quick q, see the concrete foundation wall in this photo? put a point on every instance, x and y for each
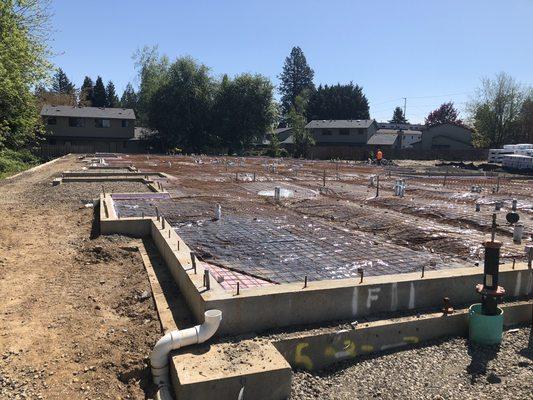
(313, 352)
(290, 304)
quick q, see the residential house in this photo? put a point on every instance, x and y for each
(445, 136)
(404, 138)
(347, 132)
(90, 129)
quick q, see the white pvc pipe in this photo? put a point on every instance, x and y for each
(174, 340)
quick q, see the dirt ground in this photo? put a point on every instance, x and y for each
(77, 320)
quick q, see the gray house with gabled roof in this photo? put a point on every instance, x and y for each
(348, 132)
(73, 129)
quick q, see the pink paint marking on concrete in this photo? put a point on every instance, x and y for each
(228, 279)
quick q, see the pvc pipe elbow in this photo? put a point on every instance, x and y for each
(210, 325)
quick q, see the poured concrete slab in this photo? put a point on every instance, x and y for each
(222, 370)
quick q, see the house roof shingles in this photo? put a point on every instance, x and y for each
(87, 112)
(339, 123)
(383, 139)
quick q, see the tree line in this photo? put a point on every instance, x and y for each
(194, 110)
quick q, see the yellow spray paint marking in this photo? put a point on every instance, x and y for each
(411, 339)
(367, 348)
(348, 351)
(302, 359)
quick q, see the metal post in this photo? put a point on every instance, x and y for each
(305, 282)
(324, 179)
(193, 261)
(489, 290)
(361, 273)
(207, 282)
(157, 213)
(238, 288)
(377, 185)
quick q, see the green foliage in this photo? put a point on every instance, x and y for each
(99, 93)
(496, 111)
(180, 108)
(87, 92)
(243, 110)
(302, 138)
(338, 102)
(23, 64)
(12, 162)
(526, 122)
(152, 72)
(61, 84)
(296, 77)
(111, 95)
(398, 117)
(129, 98)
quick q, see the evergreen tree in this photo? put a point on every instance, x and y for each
(87, 92)
(129, 98)
(99, 94)
(303, 139)
(338, 102)
(398, 117)
(445, 114)
(111, 95)
(61, 84)
(296, 77)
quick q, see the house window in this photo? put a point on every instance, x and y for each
(125, 123)
(344, 131)
(326, 132)
(76, 122)
(51, 121)
(102, 123)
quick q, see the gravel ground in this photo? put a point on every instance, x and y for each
(445, 369)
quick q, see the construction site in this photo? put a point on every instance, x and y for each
(203, 277)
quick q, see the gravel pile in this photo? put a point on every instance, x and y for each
(446, 369)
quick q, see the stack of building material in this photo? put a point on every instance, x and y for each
(517, 161)
(497, 155)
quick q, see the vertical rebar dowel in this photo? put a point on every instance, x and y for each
(169, 233)
(324, 179)
(207, 283)
(103, 190)
(142, 214)
(305, 282)
(193, 261)
(377, 185)
(514, 261)
(157, 213)
(236, 177)
(238, 288)
(162, 222)
(423, 270)
(361, 273)
(178, 245)
(493, 228)
(254, 176)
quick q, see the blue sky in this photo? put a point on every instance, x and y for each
(426, 50)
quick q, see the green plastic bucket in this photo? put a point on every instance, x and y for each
(484, 329)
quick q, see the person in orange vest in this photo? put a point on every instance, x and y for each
(379, 156)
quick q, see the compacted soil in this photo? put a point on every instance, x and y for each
(77, 320)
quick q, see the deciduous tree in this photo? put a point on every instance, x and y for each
(243, 111)
(24, 51)
(338, 102)
(495, 110)
(445, 114)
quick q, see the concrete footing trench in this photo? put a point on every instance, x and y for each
(314, 269)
